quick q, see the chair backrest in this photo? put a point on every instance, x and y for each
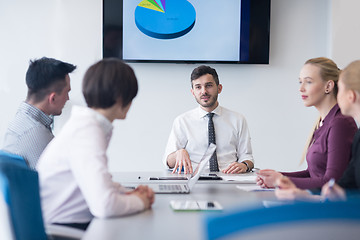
(299, 220)
(19, 186)
(6, 156)
(6, 232)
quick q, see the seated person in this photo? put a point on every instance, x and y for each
(329, 149)
(349, 102)
(30, 132)
(194, 130)
(75, 183)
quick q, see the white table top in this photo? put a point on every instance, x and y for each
(161, 222)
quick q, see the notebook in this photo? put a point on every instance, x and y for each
(185, 187)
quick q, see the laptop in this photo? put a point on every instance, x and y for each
(185, 187)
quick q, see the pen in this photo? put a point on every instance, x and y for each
(331, 183)
(331, 186)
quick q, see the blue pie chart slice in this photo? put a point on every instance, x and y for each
(177, 20)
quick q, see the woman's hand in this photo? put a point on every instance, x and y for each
(267, 178)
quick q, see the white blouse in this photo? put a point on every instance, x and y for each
(75, 183)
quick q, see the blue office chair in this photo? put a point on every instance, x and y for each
(299, 220)
(4, 155)
(19, 186)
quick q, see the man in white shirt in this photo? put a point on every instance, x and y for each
(189, 136)
(75, 183)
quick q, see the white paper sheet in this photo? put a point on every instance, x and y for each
(240, 178)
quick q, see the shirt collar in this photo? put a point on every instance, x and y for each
(36, 114)
(105, 124)
(332, 113)
(202, 113)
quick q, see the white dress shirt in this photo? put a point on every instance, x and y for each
(75, 183)
(190, 132)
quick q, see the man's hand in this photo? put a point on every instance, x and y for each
(146, 194)
(182, 159)
(235, 167)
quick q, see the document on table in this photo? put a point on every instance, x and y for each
(192, 205)
(240, 178)
(253, 187)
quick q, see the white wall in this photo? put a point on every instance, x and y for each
(266, 94)
(345, 34)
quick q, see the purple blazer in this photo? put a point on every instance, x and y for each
(330, 151)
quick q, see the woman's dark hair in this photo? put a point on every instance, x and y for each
(108, 81)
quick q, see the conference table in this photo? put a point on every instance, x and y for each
(162, 222)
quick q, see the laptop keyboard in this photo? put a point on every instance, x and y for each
(170, 187)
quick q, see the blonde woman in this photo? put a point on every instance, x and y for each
(329, 149)
(349, 102)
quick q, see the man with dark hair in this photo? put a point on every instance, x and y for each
(75, 182)
(30, 132)
(194, 130)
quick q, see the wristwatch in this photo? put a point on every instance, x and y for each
(247, 166)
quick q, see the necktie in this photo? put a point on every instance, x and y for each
(213, 160)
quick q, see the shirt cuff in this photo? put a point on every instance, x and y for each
(138, 204)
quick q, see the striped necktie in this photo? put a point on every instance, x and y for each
(213, 161)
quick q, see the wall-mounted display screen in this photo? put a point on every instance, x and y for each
(194, 31)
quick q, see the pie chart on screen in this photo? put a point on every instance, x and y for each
(165, 19)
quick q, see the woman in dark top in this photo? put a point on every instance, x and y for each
(349, 102)
(351, 177)
(329, 148)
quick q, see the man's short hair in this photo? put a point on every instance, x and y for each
(203, 70)
(46, 75)
(108, 81)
